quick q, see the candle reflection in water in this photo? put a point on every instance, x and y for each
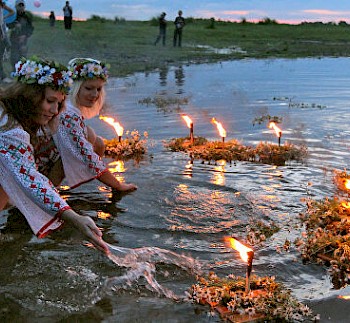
(189, 169)
(117, 167)
(218, 177)
(347, 297)
(103, 215)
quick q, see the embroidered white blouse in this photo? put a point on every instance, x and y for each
(30, 191)
(81, 164)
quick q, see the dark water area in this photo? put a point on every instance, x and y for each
(173, 226)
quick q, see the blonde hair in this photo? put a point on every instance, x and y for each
(88, 113)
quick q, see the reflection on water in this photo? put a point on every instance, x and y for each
(219, 173)
(180, 78)
(183, 209)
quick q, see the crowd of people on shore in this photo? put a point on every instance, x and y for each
(14, 44)
(179, 24)
(16, 27)
(21, 28)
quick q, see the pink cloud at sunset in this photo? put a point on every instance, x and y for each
(327, 12)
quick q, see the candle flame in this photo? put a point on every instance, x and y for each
(188, 120)
(278, 131)
(221, 129)
(347, 184)
(117, 127)
(241, 248)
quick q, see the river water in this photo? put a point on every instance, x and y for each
(173, 226)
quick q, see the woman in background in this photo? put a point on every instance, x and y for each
(52, 19)
(79, 147)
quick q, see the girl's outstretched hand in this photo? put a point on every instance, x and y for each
(124, 187)
(88, 228)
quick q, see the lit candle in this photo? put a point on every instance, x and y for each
(278, 131)
(221, 129)
(189, 123)
(247, 255)
(117, 127)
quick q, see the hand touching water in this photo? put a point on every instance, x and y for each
(88, 228)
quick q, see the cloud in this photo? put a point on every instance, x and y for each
(234, 13)
(230, 14)
(323, 12)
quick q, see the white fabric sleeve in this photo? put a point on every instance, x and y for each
(81, 164)
(32, 193)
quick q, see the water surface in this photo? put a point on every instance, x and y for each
(173, 226)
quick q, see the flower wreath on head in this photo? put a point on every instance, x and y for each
(39, 71)
(88, 68)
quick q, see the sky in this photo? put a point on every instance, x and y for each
(283, 11)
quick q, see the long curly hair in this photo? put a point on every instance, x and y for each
(21, 103)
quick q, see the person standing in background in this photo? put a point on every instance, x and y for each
(162, 29)
(179, 24)
(68, 16)
(52, 19)
(4, 40)
(21, 29)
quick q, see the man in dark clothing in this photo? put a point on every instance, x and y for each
(162, 29)
(179, 24)
(21, 29)
(67, 16)
(4, 40)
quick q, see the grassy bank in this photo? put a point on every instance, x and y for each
(128, 45)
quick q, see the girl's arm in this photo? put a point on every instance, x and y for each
(10, 11)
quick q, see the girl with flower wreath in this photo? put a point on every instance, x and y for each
(33, 102)
(80, 149)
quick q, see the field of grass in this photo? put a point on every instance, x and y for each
(128, 45)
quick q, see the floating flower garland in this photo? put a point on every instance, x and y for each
(165, 104)
(327, 237)
(258, 231)
(267, 301)
(132, 146)
(233, 150)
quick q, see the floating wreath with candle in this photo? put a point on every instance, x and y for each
(267, 299)
(233, 150)
(130, 146)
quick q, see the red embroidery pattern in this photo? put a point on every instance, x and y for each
(31, 179)
(92, 160)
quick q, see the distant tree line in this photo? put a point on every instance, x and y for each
(211, 22)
